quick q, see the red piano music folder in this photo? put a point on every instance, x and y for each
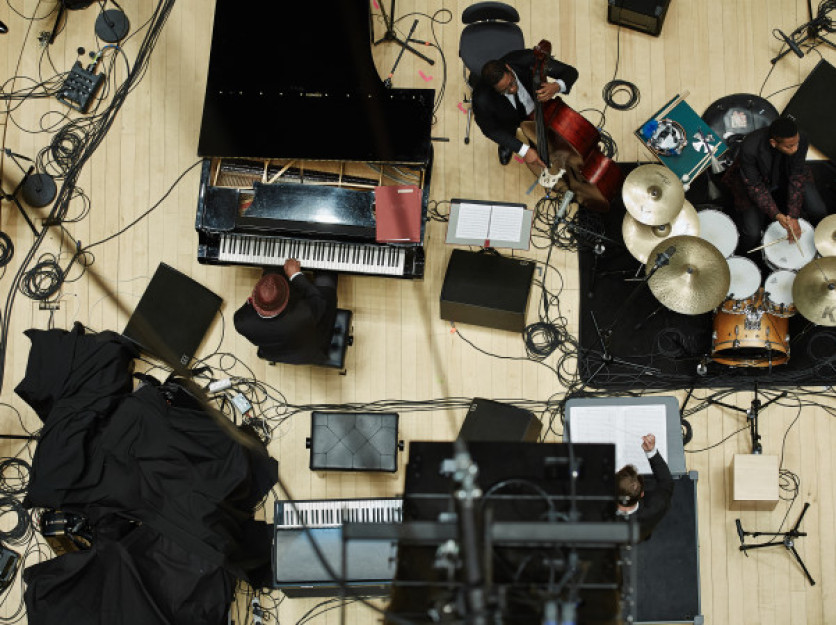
(398, 214)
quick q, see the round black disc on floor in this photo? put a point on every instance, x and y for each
(112, 25)
(39, 190)
(735, 116)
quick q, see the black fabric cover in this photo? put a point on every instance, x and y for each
(152, 457)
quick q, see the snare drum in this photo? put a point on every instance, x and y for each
(718, 228)
(752, 339)
(745, 281)
(777, 294)
(786, 254)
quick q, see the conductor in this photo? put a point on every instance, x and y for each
(648, 503)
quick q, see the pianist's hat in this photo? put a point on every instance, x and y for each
(270, 295)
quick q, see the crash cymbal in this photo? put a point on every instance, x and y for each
(640, 239)
(653, 194)
(695, 279)
(814, 291)
(825, 236)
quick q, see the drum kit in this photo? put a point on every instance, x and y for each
(689, 258)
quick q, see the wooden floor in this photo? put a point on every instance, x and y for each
(403, 350)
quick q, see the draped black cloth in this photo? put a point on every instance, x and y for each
(169, 493)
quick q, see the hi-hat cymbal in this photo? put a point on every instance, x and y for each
(814, 291)
(640, 239)
(696, 278)
(653, 194)
(825, 236)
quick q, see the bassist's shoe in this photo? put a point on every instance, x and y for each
(505, 155)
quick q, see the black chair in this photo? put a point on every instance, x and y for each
(340, 340)
(490, 32)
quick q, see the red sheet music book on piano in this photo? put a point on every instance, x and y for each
(398, 214)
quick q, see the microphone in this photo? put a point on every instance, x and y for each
(15, 155)
(793, 46)
(564, 205)
(3, 28)
(664, 258)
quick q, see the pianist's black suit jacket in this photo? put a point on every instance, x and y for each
(494, 113)
(657, 497)
(301, 334)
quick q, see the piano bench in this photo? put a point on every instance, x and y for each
(340, 341)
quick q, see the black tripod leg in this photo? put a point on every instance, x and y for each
(798, 559)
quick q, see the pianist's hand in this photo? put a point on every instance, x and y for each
(291, 267)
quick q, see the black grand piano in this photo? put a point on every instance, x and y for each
(297, 131)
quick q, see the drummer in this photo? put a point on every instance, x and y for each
(771, 180)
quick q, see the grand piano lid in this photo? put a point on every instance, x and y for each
(299, 81)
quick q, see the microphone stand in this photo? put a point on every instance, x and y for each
(811, 32)
(787, 541)
(391, 35)
(752, 415)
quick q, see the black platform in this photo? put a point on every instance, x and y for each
(663, 351)
(668, 565)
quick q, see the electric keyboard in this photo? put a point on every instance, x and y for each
(297, 569)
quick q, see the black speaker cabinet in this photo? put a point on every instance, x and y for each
(812, 108)
(488, 420)
(486, 290)
(646, 16)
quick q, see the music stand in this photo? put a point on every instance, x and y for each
(391, 35)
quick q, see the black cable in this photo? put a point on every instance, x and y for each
(14, 476)
(615, 89)
(7, 249)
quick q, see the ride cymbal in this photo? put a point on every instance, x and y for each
(695, 279)
(640, 239)
(653, 194)
(814, 291)
(825, 236)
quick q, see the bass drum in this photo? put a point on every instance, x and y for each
(753, 339)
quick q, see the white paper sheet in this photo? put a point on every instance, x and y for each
(474, 220)
(624, 426)
(506, 223)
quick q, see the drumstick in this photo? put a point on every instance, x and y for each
(760, 247)
(671, 105)
(800, 251)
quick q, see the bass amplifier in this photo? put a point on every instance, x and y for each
(646, 16)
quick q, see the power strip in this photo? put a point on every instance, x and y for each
(80, 87)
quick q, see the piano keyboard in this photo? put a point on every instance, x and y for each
(335, 512)
(330, 255)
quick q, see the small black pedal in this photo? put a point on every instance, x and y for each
(80, 88)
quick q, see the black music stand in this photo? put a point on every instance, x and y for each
(391, 35)
(787, 541)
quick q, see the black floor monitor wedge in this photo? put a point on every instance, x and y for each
(173, 316)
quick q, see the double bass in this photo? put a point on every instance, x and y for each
(573, 144)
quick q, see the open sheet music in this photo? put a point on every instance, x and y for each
(489, 224)
(624, 426)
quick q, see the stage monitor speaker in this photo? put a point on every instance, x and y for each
(173, 315)
(488, 420)
(486, 290)
(646, 16)
(812, 108)
(354, 441)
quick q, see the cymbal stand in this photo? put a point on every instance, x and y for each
(751, 415)
(787, 541)
(391, 35)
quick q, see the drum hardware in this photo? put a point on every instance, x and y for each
(694, 281)
(653, 194)
(788, 541)
(752, 415)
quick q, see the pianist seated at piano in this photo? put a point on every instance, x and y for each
(288, 318)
